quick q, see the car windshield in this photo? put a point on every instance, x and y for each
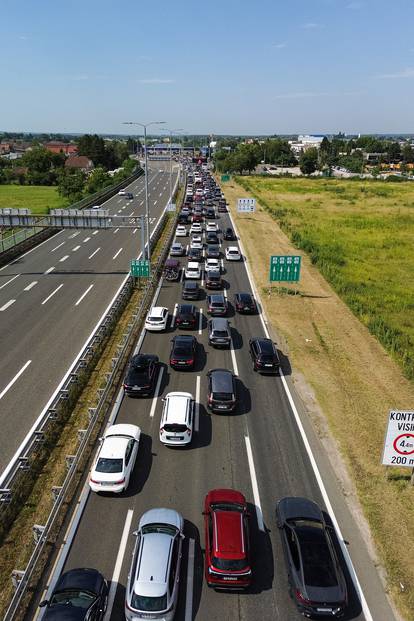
(229, 564)
(164, 529)
(108, 465)
(175, 427)
(79, 599)
(149, 604)
(318, 567)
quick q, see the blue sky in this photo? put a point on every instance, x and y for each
(208, 67)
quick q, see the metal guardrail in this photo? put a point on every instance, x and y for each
(48, 428)
(10, 241)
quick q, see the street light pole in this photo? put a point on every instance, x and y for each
(171, 131)
(146, 254)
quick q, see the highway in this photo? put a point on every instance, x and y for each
(258, 450)
(51, 299)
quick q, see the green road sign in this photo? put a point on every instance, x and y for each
(225, 177)
(284, 268)
(140, 269)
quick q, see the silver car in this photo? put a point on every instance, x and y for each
(153, 580)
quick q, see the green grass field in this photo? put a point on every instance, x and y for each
(39, 199)
(360, 234)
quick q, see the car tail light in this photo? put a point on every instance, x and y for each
(301, 598)
(161, 429)
(210, 399)
(190, 361)
(173, 361)
(119, 482)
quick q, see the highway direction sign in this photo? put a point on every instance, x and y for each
(140, 269)
(399, 440)
(246, 205)
(171, 207)
(284, 268)
(225, 177)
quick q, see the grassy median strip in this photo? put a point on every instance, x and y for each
(342, 373)
(19, 544)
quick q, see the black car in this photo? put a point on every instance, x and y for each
(229, 234)
(216, 305)
(186, 316)
(264, 355)
(79, 595)
(214, 280)
(316, 580)
(221, 395)
(212, 238)
(129, 195)
(222, 208)
(183, 351)
(213, 251)
(191, 290)
(183, 218)
(245, 303)
(210, 213)
(141, 375)
(195, 254)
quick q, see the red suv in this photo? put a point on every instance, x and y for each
(227, 563)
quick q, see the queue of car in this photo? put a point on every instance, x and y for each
(317, 584)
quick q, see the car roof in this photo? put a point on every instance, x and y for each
(183, 338)
(228, 534)
(186, 308)
(266, 345)
(221, 380)
(190, 284)
(178, 403)
(244, 295)
(152, 567)
(157, 311)
(82, 578)
(113, 447)
(161, 516)
(142, 359)
(219, 323)
(232, 249)
(193, 264)
(216, 297)
(297, 507)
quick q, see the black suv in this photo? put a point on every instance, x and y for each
(228, 234)
(195, 254)
(221, 391)
(212, 238)
(214, 280)
(141, 375)
(213, 251)
(244, 303)
(183, 351)
(186, 316)
(264, 355)
(191, 290)
(219, 332)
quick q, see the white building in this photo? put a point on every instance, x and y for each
(303, 143)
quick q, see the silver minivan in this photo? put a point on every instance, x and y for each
(153, 580)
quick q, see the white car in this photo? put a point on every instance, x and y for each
(96, 207)
(181, 231)
(196, 227)
(199, 192)
(196, 242)
(211, 227)
(115, 460)
(121, 192)
(157, 319)
(233, 253)
(193, 270)
(212, 265)
(176, 426)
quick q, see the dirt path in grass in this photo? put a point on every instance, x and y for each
(348, 383)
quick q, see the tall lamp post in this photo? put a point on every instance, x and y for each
(171, 132)
(145, 125)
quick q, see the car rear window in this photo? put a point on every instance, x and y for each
(228, 564)
(220, 333)
(222, 396)
(175, 427)
(109, 466)
(149, 604)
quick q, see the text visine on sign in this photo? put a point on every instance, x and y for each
(399, 440)
(284, 268)
(246, 205)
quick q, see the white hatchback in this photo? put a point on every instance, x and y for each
(233, 253)
(212, 265)
(196, 242)
(157, 319)
(181, 231)
(177, 419)
(193, 270)
(196, 227)
(121, 192)
(115, 460)
(212, 227)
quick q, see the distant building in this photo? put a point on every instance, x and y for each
(5, 147)
(56, 146)
(80, 162)
(303, 143)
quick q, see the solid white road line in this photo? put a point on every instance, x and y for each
(56, 247)
(83, 295)
(32, 284)
(87, 239)
(117, 253)
(347, 557)
(172, 324)
(11, 280)
(6, 306)
(255, 488)
(52, 294)
(225, 294)
(157, 393)
(64, 258)
(190, 581)
(222, 265)
(200, 321)
(233, 358)
(95, 233)
(202, 278)
(15, 378)
(197, 405)
(118, 564)
(94, 253)
(75, 248)
(49, 270)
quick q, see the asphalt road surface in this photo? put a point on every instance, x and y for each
(258, 450)
(50, 301)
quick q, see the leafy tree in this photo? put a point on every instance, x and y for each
(37, 160)
(97, 180)
(71, 184)
(394, 152)
(308, 161)
(408, 154)
(93, 147)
